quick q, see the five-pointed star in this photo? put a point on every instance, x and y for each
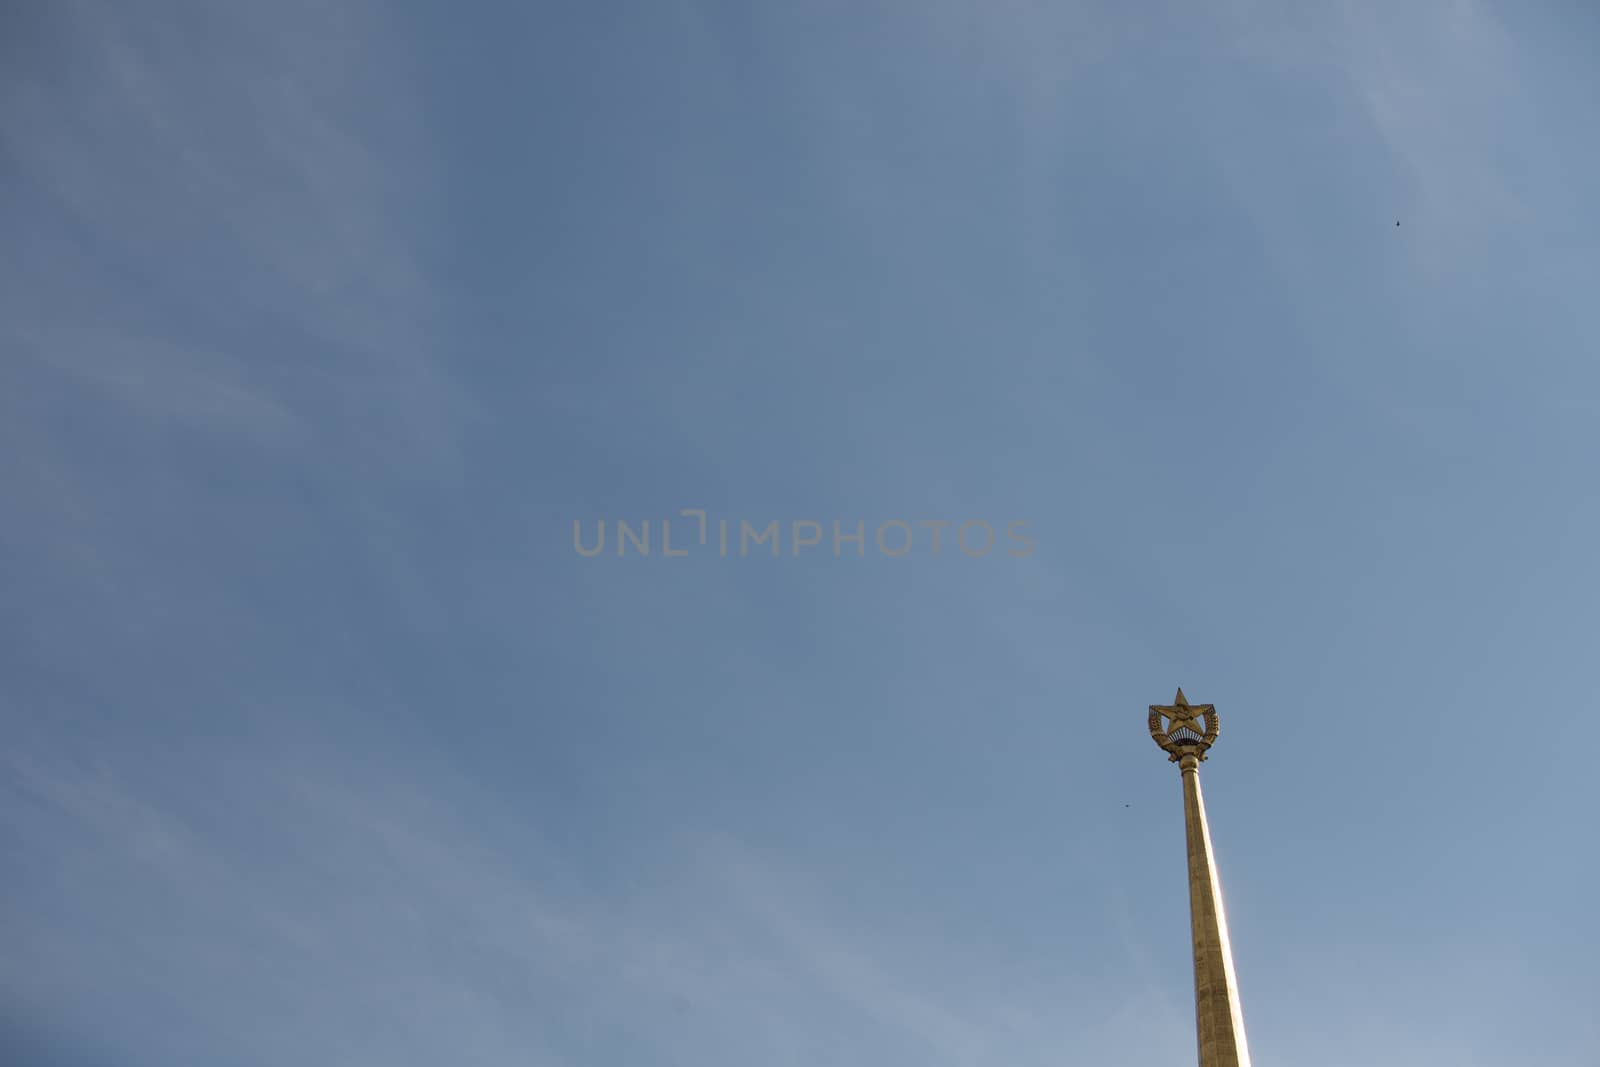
(1184, 716)
(1180, 714)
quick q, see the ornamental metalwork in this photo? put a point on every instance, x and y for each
(1183, 729)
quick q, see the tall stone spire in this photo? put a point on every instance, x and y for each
(1185, 731)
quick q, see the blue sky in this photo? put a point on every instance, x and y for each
(324, 322)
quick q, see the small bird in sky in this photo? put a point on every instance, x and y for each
(1397, 222)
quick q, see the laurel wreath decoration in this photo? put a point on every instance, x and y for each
(1183, 740)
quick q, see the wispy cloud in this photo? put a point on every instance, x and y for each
(267, 197)
(1438, 84)
(309, 909)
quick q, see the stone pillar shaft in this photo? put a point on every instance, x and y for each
(1219, 1020)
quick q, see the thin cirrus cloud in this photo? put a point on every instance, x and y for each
(324, 325)
(262, 200)
(313, 913)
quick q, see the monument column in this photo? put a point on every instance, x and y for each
(1185, 731)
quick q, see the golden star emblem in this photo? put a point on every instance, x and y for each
(1181, 713)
